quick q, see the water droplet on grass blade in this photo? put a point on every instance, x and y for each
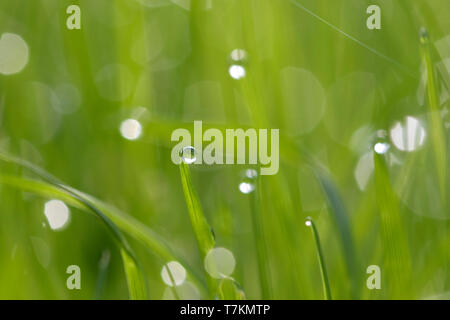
(237, 72)
(251, 173)
(423, 35)
(239, 55)
(381, 147)
(188, 155)
(308, 222)
(246, 187)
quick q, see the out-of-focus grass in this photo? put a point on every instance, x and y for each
(166, 64)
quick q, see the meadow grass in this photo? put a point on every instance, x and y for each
(312, 70)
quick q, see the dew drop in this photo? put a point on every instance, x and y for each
(381, 147)
(251, 173)
(246, 187)
(188, 155)
(423, 35)
(237, 72)
(239, 55)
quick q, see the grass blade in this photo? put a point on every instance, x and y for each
(135, 278)
(229, 289)
(202, 229)
(200, 225)
(128, 224)
(395, 246)
(341, 218)
(435, 123)
(152, 241)
(323, 270)
(260, 242)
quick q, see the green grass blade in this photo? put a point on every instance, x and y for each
(341, 219)
(152, 241)
(436, 127)
(397, 265)
(110, 215)
(229, 289)
(200, 225)
(202, 229)
(320, 258)
(135, 278)
(260, 242)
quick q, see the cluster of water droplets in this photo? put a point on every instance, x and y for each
(238, 59)
(248, 183)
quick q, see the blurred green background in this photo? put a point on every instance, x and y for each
(336, 90)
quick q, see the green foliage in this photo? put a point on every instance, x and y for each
(312, 70)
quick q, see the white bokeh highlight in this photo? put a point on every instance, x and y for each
(131, 129)
(409, 135)
(57, 214)
(14, 53)
(177, 274)
(220, 263)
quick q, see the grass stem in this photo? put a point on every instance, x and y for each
(323, 270)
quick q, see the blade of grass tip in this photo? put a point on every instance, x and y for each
(135, 278)
(323, 270)
(341, 218)
(260, 242)
(435, 123)
(202, 230)
(397, 263)
(151, 240)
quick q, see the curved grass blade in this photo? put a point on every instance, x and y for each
(135, 279)
(323, 270)
(54, 187)
(128, 224)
